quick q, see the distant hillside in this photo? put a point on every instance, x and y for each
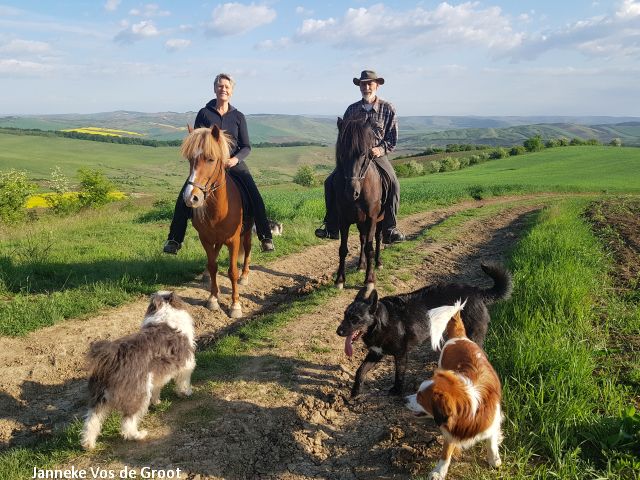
(416, 132)
(629, 132)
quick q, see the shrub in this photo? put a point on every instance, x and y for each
(61, 201)
(498, 153)
(552, 143)
(533, 144)
(576, 141)
(410, 169)
(593, 142)
(450, 164)
(616, 142)
(465, 162)
(517, 150)
(15, 189)
(94, 188)
(305, 176)
(563, 142)
(434, 166)
(474, 159)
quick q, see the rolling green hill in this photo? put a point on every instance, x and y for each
(416, 132)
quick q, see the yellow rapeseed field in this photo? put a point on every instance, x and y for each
(40, 200)
(102, 131)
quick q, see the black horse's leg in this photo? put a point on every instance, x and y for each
(378, 241)
(362, 258)
(370, 276)
(344, 249)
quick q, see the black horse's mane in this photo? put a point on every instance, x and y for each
(355, 138)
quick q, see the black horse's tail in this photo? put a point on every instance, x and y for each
(502, 283)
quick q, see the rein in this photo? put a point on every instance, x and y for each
(363, 169)
(206, 189)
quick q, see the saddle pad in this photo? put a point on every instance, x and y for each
(247, 206)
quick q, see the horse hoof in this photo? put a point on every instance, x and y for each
(340, 285)
(236, 312)
(379, 267)
(243, 281)
(212, 304)
(361, 270)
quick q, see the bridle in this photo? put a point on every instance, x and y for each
(363, 169)
(206, 188)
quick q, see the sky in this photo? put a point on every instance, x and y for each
(493, 57)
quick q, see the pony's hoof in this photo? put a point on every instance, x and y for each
(243, 281)
(212, 304)
(361, 270)
(370, 287)
(236, 312)
(340, 285)
(379, 267)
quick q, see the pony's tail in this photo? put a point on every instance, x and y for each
(439, 319)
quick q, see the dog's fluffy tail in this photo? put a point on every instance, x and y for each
(502, 283)
(439, 319)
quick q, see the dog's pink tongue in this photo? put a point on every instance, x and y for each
(348, 348)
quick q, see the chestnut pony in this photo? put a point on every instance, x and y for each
(358, 190)
(217, 208)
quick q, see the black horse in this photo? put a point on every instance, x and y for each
(358, 190)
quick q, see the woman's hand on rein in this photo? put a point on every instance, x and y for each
(232, 162)
(377, 152)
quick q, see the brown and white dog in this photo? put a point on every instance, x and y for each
(127, 374)
(464, 394)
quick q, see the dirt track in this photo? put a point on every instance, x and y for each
(288, 414)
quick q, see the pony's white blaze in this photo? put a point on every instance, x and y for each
(189, 190)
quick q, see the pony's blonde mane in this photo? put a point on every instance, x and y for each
(201, 142)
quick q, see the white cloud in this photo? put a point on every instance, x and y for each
(238, 18)
(137, 31)
(150, 10)
(111, 5)
(304, 11)
(13, 67)
(613, 35)
(175, 44)
(380, 26)
(25, 47)
(279, 44)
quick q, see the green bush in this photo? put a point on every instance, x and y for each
(517, 150)
(593, 142)
(94, 188)
(498, 153)
(450, 164)
(616, 142)
(305, 176)
(533, 144)
(410, 169)
(552, 143)
(15, 189)
(434, 166)
(576, 142)
(563, 142)
(61, 201)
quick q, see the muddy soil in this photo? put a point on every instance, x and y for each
(288, 414)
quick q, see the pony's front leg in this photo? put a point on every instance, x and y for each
(234, 247)
(344, 249)
(246, 243)
(212, 265)
(370, 276)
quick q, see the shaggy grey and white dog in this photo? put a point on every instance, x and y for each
(127, 374)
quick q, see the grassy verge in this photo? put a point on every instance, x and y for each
(564, 409)
(227, 356)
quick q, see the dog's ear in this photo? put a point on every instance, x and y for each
(155, 304)
(373, 301)
(362, 295)
(442, 409)
(176, 302)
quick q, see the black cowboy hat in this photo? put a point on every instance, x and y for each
(368, 76)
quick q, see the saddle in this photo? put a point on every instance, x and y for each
(247, 205)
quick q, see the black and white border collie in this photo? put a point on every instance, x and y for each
(127, 374)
